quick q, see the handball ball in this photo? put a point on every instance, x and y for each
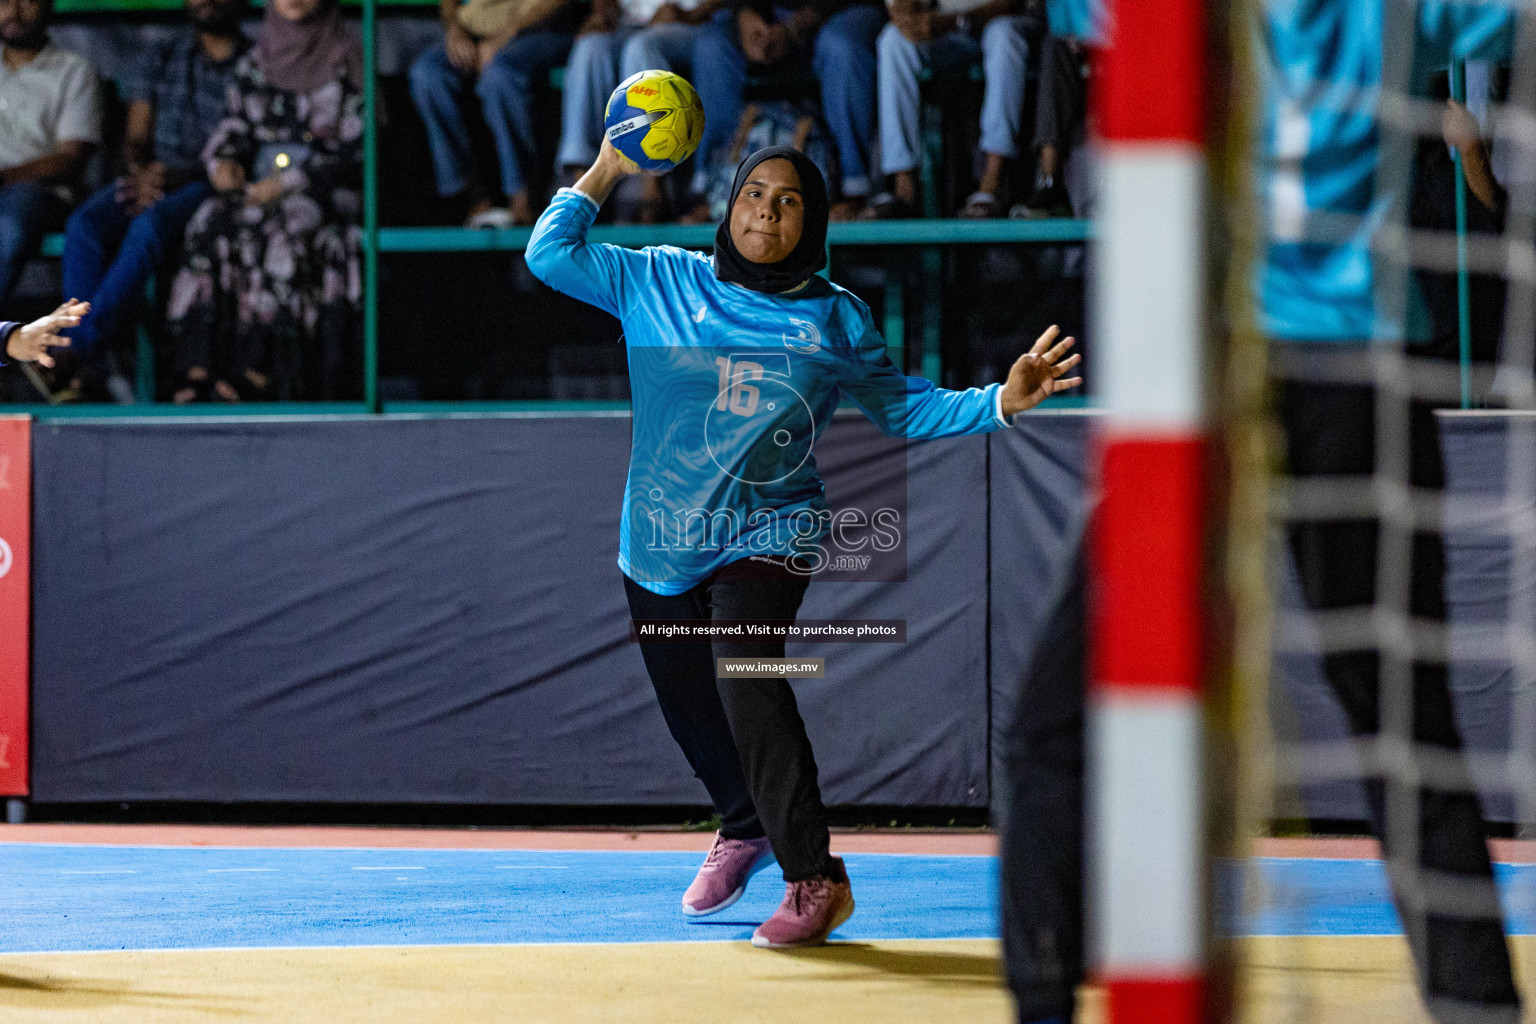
(655, 118)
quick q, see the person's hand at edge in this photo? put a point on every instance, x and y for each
(460, 44)
(30, 343)
(142, 187)
(227, 176)
(1459, 127)
(753, 29)
(264, 191)
(604, 18)
(1038, 373)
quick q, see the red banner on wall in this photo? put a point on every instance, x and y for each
(15, 599)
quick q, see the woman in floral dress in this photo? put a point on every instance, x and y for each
(268, 304)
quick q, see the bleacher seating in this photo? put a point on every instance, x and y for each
(408, 26)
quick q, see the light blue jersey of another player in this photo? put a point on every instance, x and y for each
(730, 390)
(1317, 280)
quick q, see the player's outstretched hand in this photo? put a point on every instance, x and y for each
(1040, 373)
(31, 342)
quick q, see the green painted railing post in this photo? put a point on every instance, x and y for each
(1463, 282)
(370, 212)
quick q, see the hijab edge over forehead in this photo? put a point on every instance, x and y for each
(809, 254)
(302, 56)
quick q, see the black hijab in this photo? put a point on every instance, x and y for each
(809, 256)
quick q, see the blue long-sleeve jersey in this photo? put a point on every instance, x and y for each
(730, 390)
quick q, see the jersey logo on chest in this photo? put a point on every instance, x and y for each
(806, 337)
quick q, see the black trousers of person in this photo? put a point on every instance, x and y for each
(1446, 896)
(744, 738)
(1040, 810)
(1061, 105)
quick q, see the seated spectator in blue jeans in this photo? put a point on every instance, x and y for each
(947, 36)
(50, 124)
(621, 38)
(505, 49)
(177, 94)
(835, 39)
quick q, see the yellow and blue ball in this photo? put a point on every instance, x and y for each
(655, 118)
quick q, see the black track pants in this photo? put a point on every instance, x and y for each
(1445, 896)
(744, 738)
(1040, 813)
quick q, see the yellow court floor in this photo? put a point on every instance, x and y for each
(1311, 980)
(664, 983)
(1343, 980)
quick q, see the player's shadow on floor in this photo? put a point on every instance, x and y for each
(79, 994)
(929, 966)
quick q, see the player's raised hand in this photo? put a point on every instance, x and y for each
(605, 172)
(31, 342)
(1040, 373)
(616, 161)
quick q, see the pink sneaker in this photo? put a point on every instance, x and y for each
(723, 878)
(811, 909)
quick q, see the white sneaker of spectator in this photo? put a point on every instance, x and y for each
(495, 217)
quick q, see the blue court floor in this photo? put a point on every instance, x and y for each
(1315, 896)
(67, 898)
(78, 898)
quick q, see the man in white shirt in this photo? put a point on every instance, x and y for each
(50, 124)
(621, 38)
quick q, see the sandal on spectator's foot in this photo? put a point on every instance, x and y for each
(886, 206)
(982, 206)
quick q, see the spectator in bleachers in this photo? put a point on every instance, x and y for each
(783, 42)
(50, 124)
(1061, 124)
(177, 94)
(268, 303)
(621, 38)
(941, 36)
(506, 49)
